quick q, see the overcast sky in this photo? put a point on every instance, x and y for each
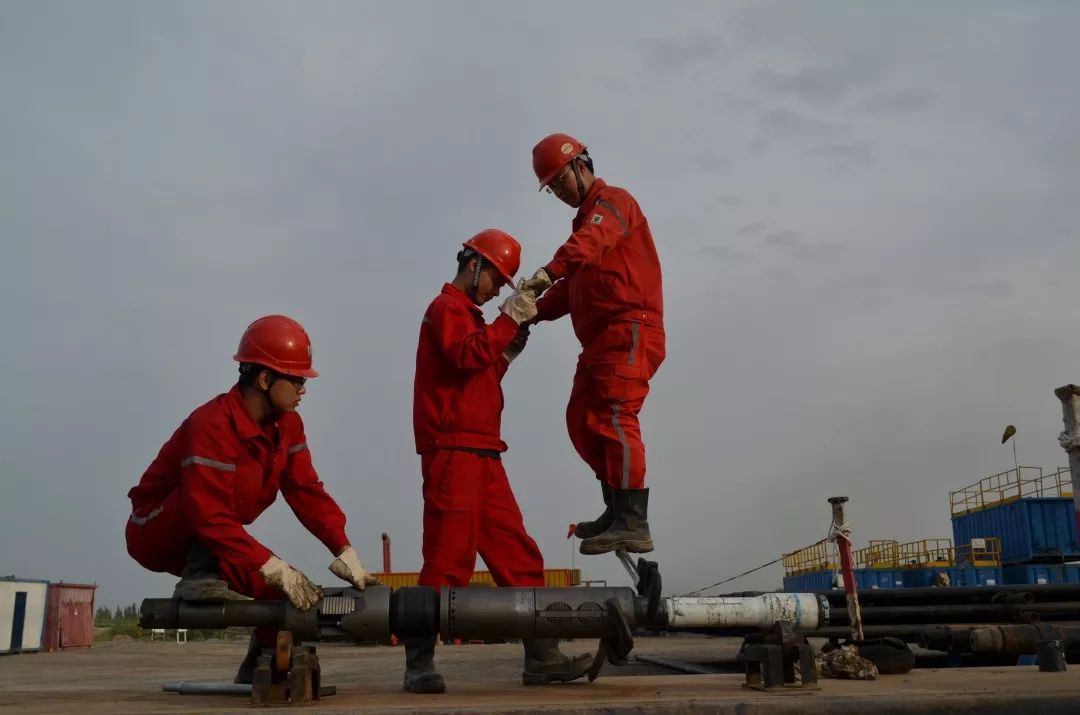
(867, 216)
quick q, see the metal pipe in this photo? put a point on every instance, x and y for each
(958, 594)
(962, 613)
(386, 553)
(188, 687)
(802, 610)
(486, 613)
(1069, 395)
(676, 665)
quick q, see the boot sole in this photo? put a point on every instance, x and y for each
(590, 533)
(531, 679)
(632, 547)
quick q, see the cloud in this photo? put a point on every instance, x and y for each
(666, 54)
(751, 229)
(779, 123)
(992, 288)
(726, 254)
(845, 155)
(901, 101)
(731, 201)
(783, 238)
(793, 243)
(819, 84)
(711, 162)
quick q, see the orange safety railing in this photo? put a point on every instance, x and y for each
(979, 552)
(880, 554)
(927, 553)
(809, 559)
(1010, 486)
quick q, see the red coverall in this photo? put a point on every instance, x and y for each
(611, 287)
(217, 473)
(469, 507)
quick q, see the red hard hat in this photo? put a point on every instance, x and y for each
(552, 154)
(498, 248)
(279, 343)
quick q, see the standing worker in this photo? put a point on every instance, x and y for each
(607, 277)
(469, 507)
(222, 468)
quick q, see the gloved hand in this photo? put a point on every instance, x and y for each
(536, 285)
(521, 305)
(518, 344)
(300, 591)
(347, 567)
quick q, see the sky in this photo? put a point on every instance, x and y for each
(866, 215)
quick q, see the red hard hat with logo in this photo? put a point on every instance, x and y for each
(277, 342)
(552, 154)
(498, 248)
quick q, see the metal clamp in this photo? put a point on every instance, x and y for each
(288, 675)
(771, 659)
(615, 647)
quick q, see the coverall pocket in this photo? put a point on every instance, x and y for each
(450, 483)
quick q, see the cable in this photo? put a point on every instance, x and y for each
(746, 573)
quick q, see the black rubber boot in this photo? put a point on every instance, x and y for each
(544, 663)
(246, 673)
(629, 529)
(420, 673)
(589, 529)
(200, 581)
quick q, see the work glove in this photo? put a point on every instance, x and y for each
(300, 591)
(347, 567)
(521, 305)
(536, 285)
(518, 344)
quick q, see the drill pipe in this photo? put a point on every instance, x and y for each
(483, 613)
(963, 613)
(1018, 640)
(958, 594)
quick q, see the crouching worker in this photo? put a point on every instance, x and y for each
(469, 507)
(222, 468)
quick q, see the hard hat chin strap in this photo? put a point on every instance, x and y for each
(580, 183)
(476, 276)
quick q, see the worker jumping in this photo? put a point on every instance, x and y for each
(222, 468)
(469, 507)
(607, 276)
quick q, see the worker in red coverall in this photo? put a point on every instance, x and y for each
(469, 507)
(222, 468)
(607, 277)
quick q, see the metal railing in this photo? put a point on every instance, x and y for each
(926, 553)
(809, 559)
(1005, 487)
(880, 554)
(979, 552)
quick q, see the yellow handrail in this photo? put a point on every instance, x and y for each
(808, 559)
(926, 553)
(880, 554)
(979, 552)
(1019, 483)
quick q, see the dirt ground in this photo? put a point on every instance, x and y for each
(128, 678)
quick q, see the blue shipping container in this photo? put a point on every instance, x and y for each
(808, 582)
(1072, 573)
(866, 579)
(1034, 575)
(972, 576)
(1029, 529)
